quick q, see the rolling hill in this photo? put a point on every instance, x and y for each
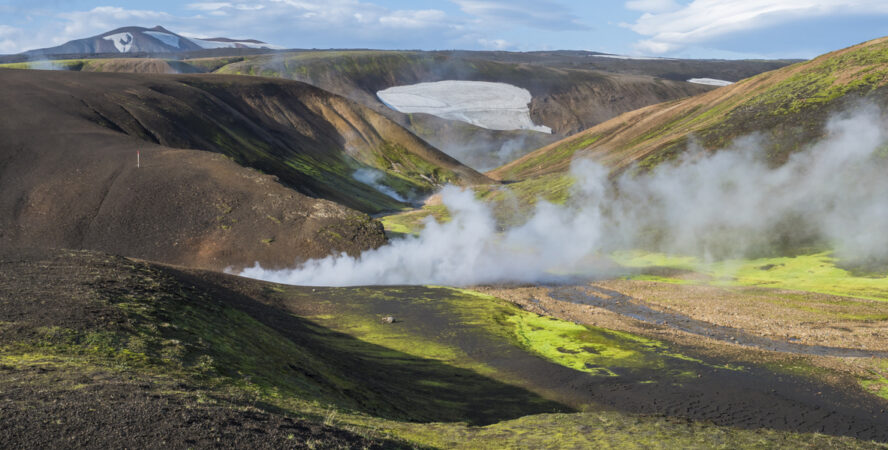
(571, 90)
(788, 107)
(234, 170)
(135, 40)
(566, 100)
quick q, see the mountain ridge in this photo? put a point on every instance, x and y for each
(134, 39)
(789, 106)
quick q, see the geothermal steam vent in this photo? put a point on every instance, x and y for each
(495, 106)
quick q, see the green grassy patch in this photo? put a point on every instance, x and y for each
(560, 154)
(596, 350)
(612, 430)
(412, 222)
(877, 382)
(813, 273)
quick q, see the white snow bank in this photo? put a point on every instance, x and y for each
(710, 81)
(166, 38)
(208, 44)
(495, 106)
(123, 42)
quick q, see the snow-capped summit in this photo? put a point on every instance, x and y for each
(145, 40)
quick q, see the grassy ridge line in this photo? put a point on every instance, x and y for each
(135, 65)
(790, 105)
(565, 99)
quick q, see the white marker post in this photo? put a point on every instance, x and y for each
(138, 159)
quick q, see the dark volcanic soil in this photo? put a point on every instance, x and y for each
(73, 290)
(69, 178)
(41, 409)
(752, 398)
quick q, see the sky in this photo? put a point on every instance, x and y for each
(728, 29)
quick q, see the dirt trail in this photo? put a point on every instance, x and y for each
(627, 306)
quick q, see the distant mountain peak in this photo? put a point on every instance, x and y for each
(133, 39)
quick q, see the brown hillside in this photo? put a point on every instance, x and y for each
(68, 178)
(564, 99)
(313, 141)
(788, 106)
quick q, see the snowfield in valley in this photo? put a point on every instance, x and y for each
(495, 106)
(710, 81)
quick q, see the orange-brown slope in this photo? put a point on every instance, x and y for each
(789, 106)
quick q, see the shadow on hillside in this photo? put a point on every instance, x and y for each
(391, 384)
(387, 383)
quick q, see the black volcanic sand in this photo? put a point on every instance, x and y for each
(752, 398)
(76, 399)
(41, 409)
(76, 290)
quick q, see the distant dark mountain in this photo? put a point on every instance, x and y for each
(131, 40)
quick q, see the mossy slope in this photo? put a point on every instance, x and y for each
(789, 106)
(451, 359)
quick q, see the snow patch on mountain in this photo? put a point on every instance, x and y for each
(166, 38)
(123, 42)
(495, 106)
(710, 81)
(211, 44)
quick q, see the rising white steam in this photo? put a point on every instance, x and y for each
(373, 178)
(725, 204)
(45, 64)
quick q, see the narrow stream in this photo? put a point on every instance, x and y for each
(627, 306)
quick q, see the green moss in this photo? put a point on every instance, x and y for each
(412, 222)
(812, 273)
(60, 64)
(561, 154)
(877, 381)
(827, 78)
(599, 351)
(514, 203)
(604, 429)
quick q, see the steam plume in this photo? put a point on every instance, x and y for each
(731, 203)
(373, 178)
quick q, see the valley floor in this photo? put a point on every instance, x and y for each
(100, 350)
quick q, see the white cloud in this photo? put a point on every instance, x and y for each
(652, 6)
(307, 23)
(9, 36)
(537, 14)
(208, 6)
(704, 20)
(495, 44)
(80, 24)
(289, 23)
(413, 19)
